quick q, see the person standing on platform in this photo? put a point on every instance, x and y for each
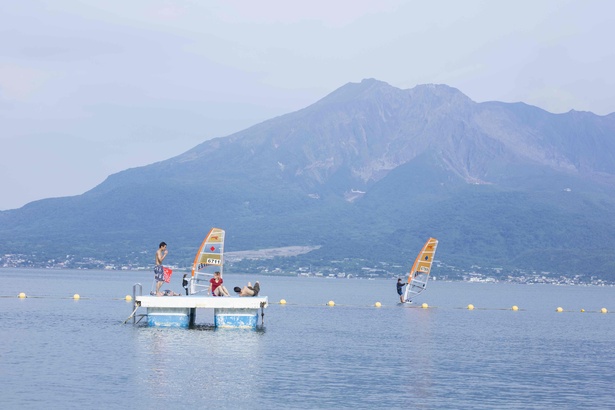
(161, 253)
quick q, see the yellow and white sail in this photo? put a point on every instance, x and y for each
(208, 259)
(419, 273)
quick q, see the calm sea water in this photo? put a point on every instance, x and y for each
(56, 352)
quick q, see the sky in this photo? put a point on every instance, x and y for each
(91, 88)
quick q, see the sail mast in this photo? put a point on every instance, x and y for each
(197, 257)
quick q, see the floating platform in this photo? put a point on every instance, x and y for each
(180, 311)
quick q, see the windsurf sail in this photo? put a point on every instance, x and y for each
(208, 259)
(419, 273)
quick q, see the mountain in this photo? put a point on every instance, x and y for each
(366, 173)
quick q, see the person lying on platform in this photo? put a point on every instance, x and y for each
(169, 292)
(248, 290)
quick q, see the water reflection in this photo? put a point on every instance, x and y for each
(211, 366)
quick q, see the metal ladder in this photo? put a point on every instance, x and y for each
(136, 305)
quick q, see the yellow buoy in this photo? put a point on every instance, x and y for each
(515, 308)
(128, 298)
(331, 303)
(424, 305)
(603, 310)
(582, 310)
(76, 296)
(470, 307)
(378, 304)
(22, 295)
(282, 301)
(559, 309)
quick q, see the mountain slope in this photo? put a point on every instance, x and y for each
(368, 172)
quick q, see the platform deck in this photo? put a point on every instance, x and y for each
(204, 302)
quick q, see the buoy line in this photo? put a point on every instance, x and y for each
(76, 296)
(330, 303)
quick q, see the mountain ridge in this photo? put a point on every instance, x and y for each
(373, 164)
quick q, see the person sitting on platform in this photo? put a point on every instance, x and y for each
(216, 287)
(248, 290)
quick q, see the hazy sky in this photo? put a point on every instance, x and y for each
(90, 88)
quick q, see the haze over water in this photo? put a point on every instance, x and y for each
(60, 352)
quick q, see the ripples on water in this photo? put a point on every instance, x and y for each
(57, 352)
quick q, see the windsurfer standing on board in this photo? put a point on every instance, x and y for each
(400, 290)
(161, 253)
